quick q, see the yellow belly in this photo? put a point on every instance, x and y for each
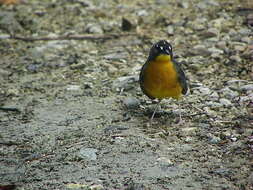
(161, 81)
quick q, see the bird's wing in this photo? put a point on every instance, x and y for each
(181, 77)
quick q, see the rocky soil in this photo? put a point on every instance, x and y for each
(72, 113)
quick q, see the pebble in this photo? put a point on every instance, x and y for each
(225, 102)
(246, 39)
(214, 104)
(240, 48)
(204, 91)
(115, 128)
(73, 87)
(126, 25)
(165, 161)
(188, 139)
(142, 13)
(211, 32)
(117, 56)
(247, 87)
(213, 139)
(214, 50)
(94, 28)
(170, 30)
(88, 153)
(125, 82)
(222, 45)
(214, 95)
(4, 73)
(245, 31)
(96, 187)
(200, 50)
(235, 58)
(131, 103)
(228, 93)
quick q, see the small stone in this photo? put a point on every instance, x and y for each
(96, 187)
(94, 28)
(73, 87)
(200, 50)
(88, 153)
(116, 56)
(115, 129)
(246, 39)
(211, 32)
(225, 102)
(214, 96)
(184, 4)
(199, 27)
(245, 31)
(125, 82)
(214, 139)
(235, 58)
(240, 48)
(165, 161)
(214, 104)
(233, 139)
(4, 73)
(189, 129)
(228, 93)
(214, 50)
(222, 45)
(78, 66)
(142, 12)
(126, 25)
(204, 91)
(131, 103)
(247, 87)
(188, 139)
(170, 30)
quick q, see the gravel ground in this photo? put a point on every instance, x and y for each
(78, 119)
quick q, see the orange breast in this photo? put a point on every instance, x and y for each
(161, 81)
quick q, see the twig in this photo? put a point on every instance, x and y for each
(69, 37)
(10, 109)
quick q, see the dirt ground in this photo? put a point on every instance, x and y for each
(72, 113)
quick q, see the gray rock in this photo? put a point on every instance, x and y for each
(247, 87)
(131, 103)
(235, 58)
(213, 139)
(124, 82)
(142, 13)
(225, 102)
(246, 39)
(222, 45)
(88, 153)
(228, 93)
(214, 50)
(200, 50)
(214, 96)
(204, 91)
(214, 105)
(245, 31)
(116, 56)
(94, 28)
(170, 30)
(211, 32)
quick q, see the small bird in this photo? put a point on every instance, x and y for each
(161, 76)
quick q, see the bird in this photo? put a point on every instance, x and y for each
(161, 76)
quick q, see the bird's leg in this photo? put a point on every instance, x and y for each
(181, 121)
(157, 105)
